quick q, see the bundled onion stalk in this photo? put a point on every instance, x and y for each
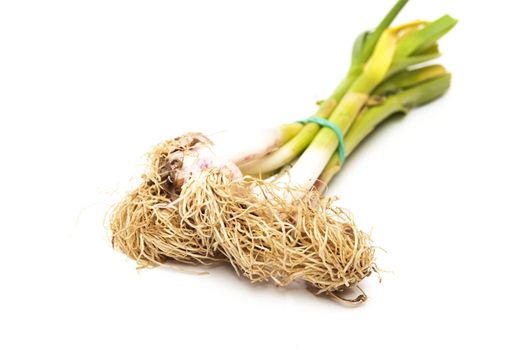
(259, 203)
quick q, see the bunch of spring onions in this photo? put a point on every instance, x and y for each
(261, 206)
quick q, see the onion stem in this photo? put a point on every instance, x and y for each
(312, 162)
(363, 47)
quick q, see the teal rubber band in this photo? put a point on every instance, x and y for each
(324, 122)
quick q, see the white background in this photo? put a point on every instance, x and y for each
(87, 87)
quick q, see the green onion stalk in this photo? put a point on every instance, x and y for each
(376, 70)
(403, 47)
(269, 150)
(362, 49)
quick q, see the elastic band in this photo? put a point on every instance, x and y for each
(334, 128)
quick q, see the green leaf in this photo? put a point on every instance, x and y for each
(425, 92)
(424, 38)
(409, 78)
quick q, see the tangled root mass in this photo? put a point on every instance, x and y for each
(215, 216)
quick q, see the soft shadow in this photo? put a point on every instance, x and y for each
(297, 290)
